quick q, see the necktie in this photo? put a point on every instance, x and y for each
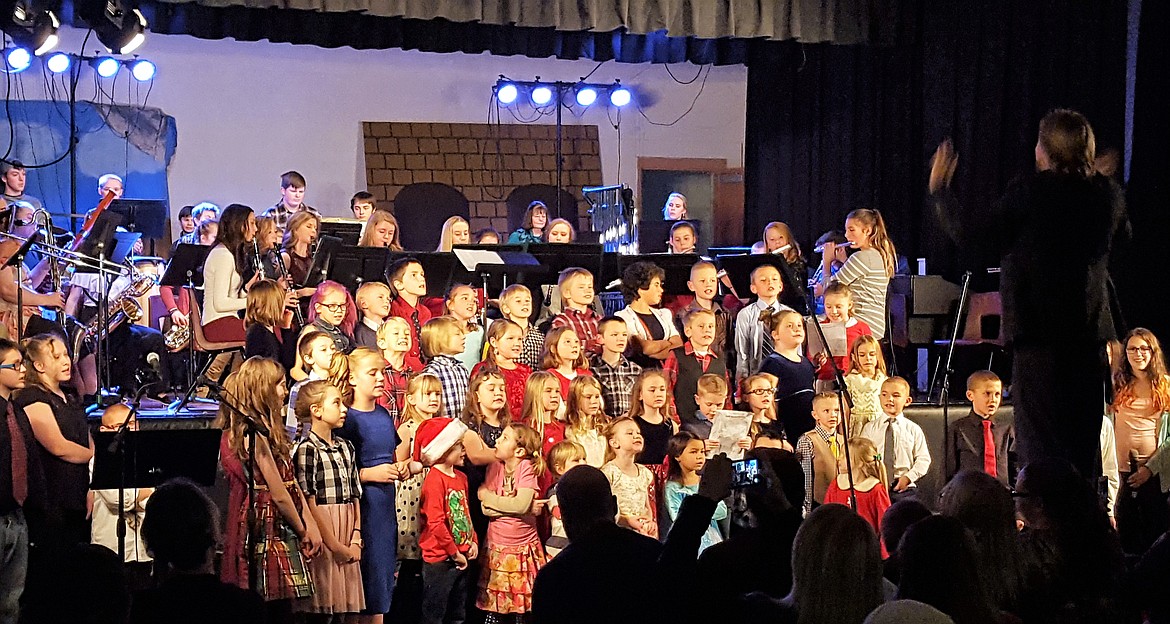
(988, 448)
(769, 346)
(833, 448)
(19, 459)
(415, 345)
(888, 452)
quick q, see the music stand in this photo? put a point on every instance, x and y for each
(349, 231)
(145, 216)
(354, 266)
(496, 269)
(99, 242)
(123, 246)
(439, 267)
(739, 269)
(155, 456)
(676, 266)
(327, 246)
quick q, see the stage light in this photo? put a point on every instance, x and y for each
(16, 60)
(118, 25)
(106, 66)
(142, 70)
(31, 25)
(586, 96)
(58, 62)
(620, 96)
(507, 93)
(541, 95)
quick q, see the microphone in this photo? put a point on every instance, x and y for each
(152, 360)
(820, 248)
(216, 390)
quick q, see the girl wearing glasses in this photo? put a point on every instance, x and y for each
(1141, 399)
(332, 310)
(760, 390)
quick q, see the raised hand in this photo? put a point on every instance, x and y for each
(942, 166)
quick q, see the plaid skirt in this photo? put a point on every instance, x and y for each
(507, 576)
(281, 571)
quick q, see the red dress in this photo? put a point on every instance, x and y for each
(870, 505)
(515, 382)
(852, 333)
(416, 317)
(565, 381)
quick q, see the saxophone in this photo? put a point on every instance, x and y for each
(123, 308)
(177, 337)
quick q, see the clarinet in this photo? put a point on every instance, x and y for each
(288, 280)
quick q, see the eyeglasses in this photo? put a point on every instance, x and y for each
(332, 307)
(1136, 350)
(762, 391)
(15, 366)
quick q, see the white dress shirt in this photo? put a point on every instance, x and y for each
(749, 337)
(911, 457)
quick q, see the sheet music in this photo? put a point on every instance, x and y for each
(728, 428)
(474, 257)
(834, 333)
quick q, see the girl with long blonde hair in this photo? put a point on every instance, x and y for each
(284, 533)
(871, 485)
(650, 410)
(585, 418)
(868, 270)
(381, 230)
(542, 406)
(456, 231)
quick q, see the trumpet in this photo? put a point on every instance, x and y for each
(280, 266)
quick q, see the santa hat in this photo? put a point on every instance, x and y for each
(435, 437)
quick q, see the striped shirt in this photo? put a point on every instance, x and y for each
(327, 473)
(865, 274)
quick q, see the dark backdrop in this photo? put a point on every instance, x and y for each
(833, 128)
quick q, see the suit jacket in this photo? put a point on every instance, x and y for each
(1054, 233)
(967, 446)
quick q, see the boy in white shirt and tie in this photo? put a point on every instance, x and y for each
(900, 440)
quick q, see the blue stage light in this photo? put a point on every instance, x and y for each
(620, 96)
(16, 60)
(541, 95)
(106, 67)
(586, 96)
(58, 62)
(507, 93)
(142, 70)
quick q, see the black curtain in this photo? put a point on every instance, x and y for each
(1140, 273)
(833, 128)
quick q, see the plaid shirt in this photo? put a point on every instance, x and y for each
(532, 348)
(805, 453)
(617, 383)
(584, 323)
(328, 473)
(454, 377)
(281, 214)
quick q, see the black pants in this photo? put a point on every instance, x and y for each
(129, 345)
(406, 605)
(1142, 514)
(1058, 396)
(444, 593)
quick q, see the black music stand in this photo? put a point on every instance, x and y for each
(99, 243)
(148, 217)
(348, 231)
(496, 269)
(354, 266)
(154, 456)
(439, 267)
(327, 246)
(185, 271)
(739, 268)
(676, 266)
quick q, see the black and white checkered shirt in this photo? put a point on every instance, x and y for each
(617, 383)
(454, 377)
(327, 473)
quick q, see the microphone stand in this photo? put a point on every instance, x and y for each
(944, 394)
(843, 396)
(251, 428)
(118, 446)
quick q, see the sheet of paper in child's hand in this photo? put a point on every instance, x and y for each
(834, 333)
(728, 428)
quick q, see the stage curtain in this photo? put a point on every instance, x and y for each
(833, 128)
(841, 21)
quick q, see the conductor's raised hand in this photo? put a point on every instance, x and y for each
(942, 166)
